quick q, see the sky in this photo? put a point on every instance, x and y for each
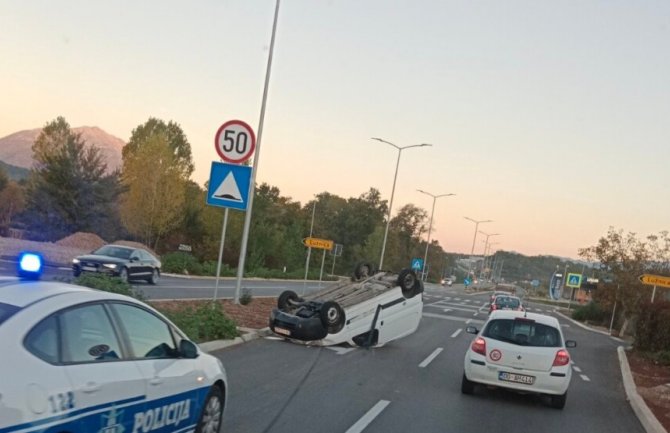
(549, 118)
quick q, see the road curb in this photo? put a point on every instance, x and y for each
(588, 328)
(247, 335)
(642, 411)
(208, 277)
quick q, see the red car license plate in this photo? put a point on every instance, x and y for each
(517, 378)
(282, 331)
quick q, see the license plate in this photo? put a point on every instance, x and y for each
(89, 268)
(517, 378)
(282, 331)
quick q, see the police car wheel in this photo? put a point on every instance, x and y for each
(212, 412)
(332, 317)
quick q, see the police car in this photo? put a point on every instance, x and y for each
(77, 360)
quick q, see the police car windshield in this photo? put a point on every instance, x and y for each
(7, 311)
(112, 251)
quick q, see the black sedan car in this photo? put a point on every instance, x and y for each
(125, 262)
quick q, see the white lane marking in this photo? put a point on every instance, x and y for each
(368, 417)
(340, 350)
(577, 369)
(457, 299)
(565, 325)
(466, 300)
(585, 378)
(475, 314)
(444, 317)
(430, 358)
(455, 334)
(469, 321)
(446, 310)
(453, 307)
(447, 297)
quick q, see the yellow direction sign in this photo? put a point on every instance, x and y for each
(323, 244)
(655, 280)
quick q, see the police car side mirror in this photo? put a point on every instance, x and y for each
(188, 349)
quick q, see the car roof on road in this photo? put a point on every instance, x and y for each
(511, 314)
(23, 293)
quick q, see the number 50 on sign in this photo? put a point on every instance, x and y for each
(235, 141)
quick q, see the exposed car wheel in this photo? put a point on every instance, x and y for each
(467, 386)
(76, 272)
(558, 401)
(212, 412)
(123, 275)
(408, 283)
(332, 317)
(285, 298)
(155, 277)
(363, 270)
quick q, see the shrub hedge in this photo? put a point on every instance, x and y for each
(652, 331)
(591, 312)
(203, 323)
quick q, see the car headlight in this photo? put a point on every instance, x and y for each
(109, 265)
(75, 261)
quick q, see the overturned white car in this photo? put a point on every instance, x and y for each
(370, 310)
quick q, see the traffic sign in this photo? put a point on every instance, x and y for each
(323, 244)
(417, 264)
(229, 185)
(574, 280)
(235, 141)
(655, 280)
(466, 282)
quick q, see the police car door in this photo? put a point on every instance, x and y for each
(108, 387)
(175, 385)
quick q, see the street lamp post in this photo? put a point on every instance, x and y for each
(395, 177)
(486, 247)
(472, 251)
(430, 227)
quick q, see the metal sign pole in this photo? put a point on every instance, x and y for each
(252, 184)
(218, 264)
(653, 294)
(309, 250)
(323, 262)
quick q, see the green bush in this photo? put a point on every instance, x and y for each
(107, 284)
(591, 312)
(204, 323)
(180, 263)
(246, 297)
(652, 329)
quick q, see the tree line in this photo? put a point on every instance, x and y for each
(152, 199)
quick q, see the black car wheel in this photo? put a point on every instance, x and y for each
(467, 386)
(123, 275)
(332, 317)
(363, 270)
(558, 401)
(285, 298)
(212, 412)
(155, 276)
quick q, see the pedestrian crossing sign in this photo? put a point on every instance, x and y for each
(417, 264)
(574, 280)
(229, 185)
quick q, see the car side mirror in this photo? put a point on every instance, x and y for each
(570, 343)
(471, 330)
(134, 259)
(188, 349)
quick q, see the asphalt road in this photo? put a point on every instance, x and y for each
(411, 385)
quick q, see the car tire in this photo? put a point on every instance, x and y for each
(558, 401)
(467, 386)
(76, 272)
(332, 317)
(409, 283)
(123, 275)
(211, 417)
(155, 277)
(363, 270)
(285, 298)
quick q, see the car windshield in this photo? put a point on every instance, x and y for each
(507, 302)
(7, 311)
(523, 332)
(112, 251)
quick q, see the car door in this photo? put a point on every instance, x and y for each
(107, 386)
(147, 262)
(398, 318)
(174, 384)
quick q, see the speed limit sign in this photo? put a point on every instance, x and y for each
(235, 141)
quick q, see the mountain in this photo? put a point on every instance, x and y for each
(14, 172)
(16, 149)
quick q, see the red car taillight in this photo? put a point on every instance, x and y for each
(562, 358)
(479, 346)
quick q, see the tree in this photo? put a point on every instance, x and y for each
(12, 202)
(68, 190)
(3, 179)
(154, 201)
(623, 258)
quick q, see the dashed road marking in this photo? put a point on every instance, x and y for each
(368, 417)
(447, 310)
(577, 369)
(340, 350)
(585, 378)
(455, 334)
(430, 358)
(469, 321)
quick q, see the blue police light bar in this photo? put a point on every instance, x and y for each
(30, 266)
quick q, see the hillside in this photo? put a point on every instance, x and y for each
(14, 172)
(16, 149)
